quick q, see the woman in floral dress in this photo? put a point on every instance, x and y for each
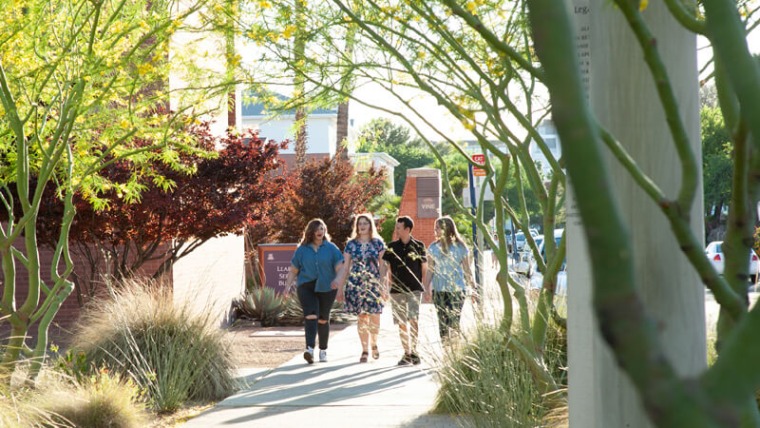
(365, 291)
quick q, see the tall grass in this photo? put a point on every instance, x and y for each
(483, 379)
(173, 353)
(16, 408)
(101, 400)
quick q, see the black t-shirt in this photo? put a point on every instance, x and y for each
(406, 265)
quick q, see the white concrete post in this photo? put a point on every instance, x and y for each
(624, 98)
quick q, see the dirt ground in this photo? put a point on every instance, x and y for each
(256, 346)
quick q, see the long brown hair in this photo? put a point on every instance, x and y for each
(311, 229)
(449, 234)
(372, 229)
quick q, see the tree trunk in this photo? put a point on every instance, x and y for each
(299, 52)
(624, 98)
(342, 134)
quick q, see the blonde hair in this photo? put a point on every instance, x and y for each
(449, 234)
(311, 229)
(372, 229)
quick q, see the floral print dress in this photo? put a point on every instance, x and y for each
(363, 290)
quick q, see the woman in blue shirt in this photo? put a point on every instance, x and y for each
(448, 275)
(313, 268)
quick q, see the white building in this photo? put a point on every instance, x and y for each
(364, 161)
(321, 129)
(548, 132)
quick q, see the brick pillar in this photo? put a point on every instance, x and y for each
(421, 201)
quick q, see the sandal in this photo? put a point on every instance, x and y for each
(375, 352)
(363, 358)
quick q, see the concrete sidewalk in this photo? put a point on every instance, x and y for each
(341, 392)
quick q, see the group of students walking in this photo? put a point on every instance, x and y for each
(368, 274)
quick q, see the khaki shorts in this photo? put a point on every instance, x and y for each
(406, 306)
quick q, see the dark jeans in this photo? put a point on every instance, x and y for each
(448, 307)
(320, 304)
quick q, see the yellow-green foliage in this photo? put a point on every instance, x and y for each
(102, 400)
(174, 353)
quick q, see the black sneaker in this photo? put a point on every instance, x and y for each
(414, 358)
(406, 360)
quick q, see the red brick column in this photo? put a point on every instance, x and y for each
(422, 184)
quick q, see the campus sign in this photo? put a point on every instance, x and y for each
(274, 264)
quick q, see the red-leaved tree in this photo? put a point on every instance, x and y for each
(227, 193)
(330, 190)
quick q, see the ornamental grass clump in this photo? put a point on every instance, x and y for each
(16, 406)
(484, 380)
(101, 400)
(173, 353)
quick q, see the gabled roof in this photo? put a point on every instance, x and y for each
(257, 109)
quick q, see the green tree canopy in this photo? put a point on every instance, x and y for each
(382, 135)
(717, 167)
(80, 82)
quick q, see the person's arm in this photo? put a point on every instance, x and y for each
(423, 265)
(384, 283)
(427, 278)
(340, 279)
(290, 282)
(468, 273)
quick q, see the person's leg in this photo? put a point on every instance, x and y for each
(374, 320)
(309, 305)
(363, 327)
(413, 314)
(325, 306)
(441, 303)
(400, 318)
(457, 303)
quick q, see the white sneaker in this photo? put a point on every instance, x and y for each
(308, 355)
(323, 355)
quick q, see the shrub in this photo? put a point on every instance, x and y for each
(485, 380)
(16, 408)
(262, 304)
(102, 400)
(172, 352)
(292, 313)
(556, 353)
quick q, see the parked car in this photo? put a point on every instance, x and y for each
(523, 262)
(520, 241)
(714, 252)
(540, 244)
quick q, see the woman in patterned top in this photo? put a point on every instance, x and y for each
(449, 274)
(365, 291)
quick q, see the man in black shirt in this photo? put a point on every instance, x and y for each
(408, 260)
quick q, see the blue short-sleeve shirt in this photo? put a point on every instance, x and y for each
(317, 265)
(448, 272)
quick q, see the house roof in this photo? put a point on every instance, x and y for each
(381, 156)
(258, 109)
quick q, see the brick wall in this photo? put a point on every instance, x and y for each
(68, 314)
(423, 225)
(210, 277)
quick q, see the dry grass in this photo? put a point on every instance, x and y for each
(102, 400)
(175, 354)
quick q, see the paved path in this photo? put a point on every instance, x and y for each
(341, 392)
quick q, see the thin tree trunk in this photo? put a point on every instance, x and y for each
(342, 134)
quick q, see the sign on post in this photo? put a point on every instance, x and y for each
(274, 264)
(481, 160)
